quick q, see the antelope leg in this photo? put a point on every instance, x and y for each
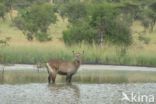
(54, 76)
(49, 78)
(68, 78)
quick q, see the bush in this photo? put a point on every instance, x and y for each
(43, 37)
(2, 10)
(34, 21)
(118, 33)
(79, 33)
(101, 23)
(75, 11)
(144, 39)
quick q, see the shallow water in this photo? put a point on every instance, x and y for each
(85, 76)
(37, 93)
(30, 87)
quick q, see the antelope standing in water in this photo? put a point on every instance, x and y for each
(62, 67)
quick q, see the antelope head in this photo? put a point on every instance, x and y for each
(77, 56)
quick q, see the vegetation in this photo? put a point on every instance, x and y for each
(35, 21)
(100, 24)
(125, 31)
(32, 53)
(100, 76)
(2, 11)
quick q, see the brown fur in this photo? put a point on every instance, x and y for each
(62, 67)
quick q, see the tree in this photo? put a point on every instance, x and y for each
(34, 21)
(152, 15)
(102, 24)
(129, 10)
(109, 26)
(144, 11)
(74, 11)
(101, 18)
(148, 18)
(2, 10)
(78, 33)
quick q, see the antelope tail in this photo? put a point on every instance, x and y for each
(49, 69)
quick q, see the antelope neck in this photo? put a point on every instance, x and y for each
(77, 63)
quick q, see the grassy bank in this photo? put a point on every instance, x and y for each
(32, 54)
(101, 76)
(22, 51)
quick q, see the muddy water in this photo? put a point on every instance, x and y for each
(37, 93)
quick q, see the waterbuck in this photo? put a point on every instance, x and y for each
(68, 68)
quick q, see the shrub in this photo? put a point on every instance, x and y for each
(34, 21)
(79, 33)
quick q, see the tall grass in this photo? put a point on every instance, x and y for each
(31, 54)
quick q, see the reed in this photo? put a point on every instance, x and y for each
(32, 54)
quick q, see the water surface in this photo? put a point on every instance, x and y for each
(37, 93)
(88, 87)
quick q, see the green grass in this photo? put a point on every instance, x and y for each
(35, 54)
(38, 54)
(85, 76)
(21, 50)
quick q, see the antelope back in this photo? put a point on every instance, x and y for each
(64, 65)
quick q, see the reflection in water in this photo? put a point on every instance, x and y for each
(39, 94)
(2, 77)
(65, 94)
(71, 94)
(92, 76)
